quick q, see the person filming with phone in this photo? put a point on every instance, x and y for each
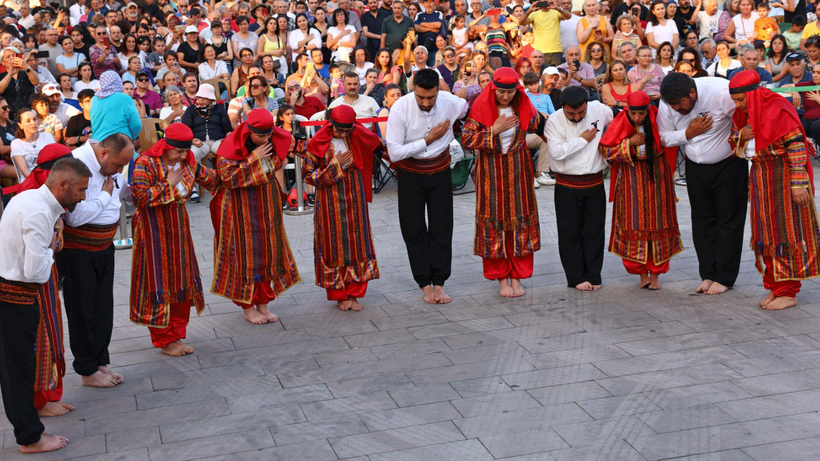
(19, 82)
(545, 17)
(103, 53)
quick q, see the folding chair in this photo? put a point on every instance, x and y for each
(149, 135)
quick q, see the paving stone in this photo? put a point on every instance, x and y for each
(531, 419)
(480, 386)
(774, 364)
(605, 451)
(135, 438)
(780, 383)
(333, 409)
(468, 371)
(552, 377)
(621, 405)
(423, 395)
(271, 354)
(667, 361)
(304, 432)
(135, 454)
(412, 347)
(396, 439)
(770, 406)
(409, 416)
(101, 424)
(680, 397)
(495, 403)
(361, 370)
(466, 449)
(681, 419)
(727, 455)
(210, 446)
(794, 450)
(230, 424)
(503, 445)
(409, 321)
(576, 357)
(566, 393)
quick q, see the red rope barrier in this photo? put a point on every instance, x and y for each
(360, 120)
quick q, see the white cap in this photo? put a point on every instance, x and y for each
(191, 30)
(51, 89)
(551, 70)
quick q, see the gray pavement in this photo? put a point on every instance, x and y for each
(620, 374)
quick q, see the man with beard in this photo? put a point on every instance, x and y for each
(698, 114)
(573, 133)
(309, 79)
(26, 263)
(419, 132)
(372, 25)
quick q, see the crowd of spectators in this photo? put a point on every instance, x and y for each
(209, 63)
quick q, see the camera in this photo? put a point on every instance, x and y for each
(577, 64)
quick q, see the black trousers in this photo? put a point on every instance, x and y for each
(88, 292)
(581, 217)
(812, 127)
(718, 196)
(429, 244)
(18, 333)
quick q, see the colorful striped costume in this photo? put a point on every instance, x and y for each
(250, 242)
(782, 230)
(49, 346)
(644, 218)
(506, 211)
(164, 268)
(343, 241)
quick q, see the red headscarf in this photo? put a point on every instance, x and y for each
(177, 136)
(769, 114)
(47, 157)
(485, 109)
(622, 128)
(362, 141)
(259, 121)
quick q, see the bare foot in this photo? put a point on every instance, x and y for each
(344, 305)
(518, 291)
(355, 305)
(430, 295)
(584, 286)
(654, 284)
(769, 298)
(441, 295)
(263, 309)
(596, 287)
(716, 289)
(54, 409)
(704, 286)
(504, 288)
(105, 369)
(99, 379)
(644, 280)
(253, 316)
(781, 302)
(174, 349)
(46, 443)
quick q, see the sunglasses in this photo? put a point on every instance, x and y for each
(257, 86)
(142, 79)
(102, 34)
(449, 55)
(6, 108)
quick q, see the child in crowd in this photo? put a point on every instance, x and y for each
(336, 87)
(795, 33)
(541, 101)
(765, 27)
(459, 39)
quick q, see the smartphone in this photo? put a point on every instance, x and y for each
(577, 64)
(180, 28)
(107, 41)
(494, 12)
(543, 4)
(636, 12)
(42, 54)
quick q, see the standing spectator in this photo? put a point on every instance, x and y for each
(224, 50)
(53, 48)
(647, 76)
(593, 27)
(112, 111)
(16, 86)
(273, 42)
(660, 29)
(103, 53)
(372, 25)
(395, 29)
(545, 22)
(242, 39)
(568, 27)
(428, 25)
(625, 8)
(342, 37)
(684, 15)
(303, 39)
(628, 31)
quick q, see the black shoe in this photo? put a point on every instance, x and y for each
(311, 199)
(195, 197)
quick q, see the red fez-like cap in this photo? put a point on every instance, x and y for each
(637, 100)
(343, 117)
(506, 78)
(51, 153)
(179, 136)
(744, 81)
(260, 121)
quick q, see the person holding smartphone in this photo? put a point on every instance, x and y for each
(545, 17)
(103, 53)
(19, 82)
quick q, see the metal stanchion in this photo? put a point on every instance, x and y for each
(124, 242)
(300, 202)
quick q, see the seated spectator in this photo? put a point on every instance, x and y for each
(270, 70)
(361, 62)
(211, 67)
(522, 67)
(235, 113)
(392, 93)
(811, 105)
(775, 62)
(240, 72)
(364, 106)
(172, 113)
(171, 66)
(306, 106)
(665, 57)
(133, 67)
(69, 96)
(420, 55)
(42, 71)
(309, 79)
(259, 98)
(725, 63)
(629, 54)
(69, 60)
(46, 122)
(628, 32)
(78, 129)
(467, 86)
(169, 79)
(617, 85)
(372, 88)
(86, 78)
(795, 32)
(149, 97)
(692, 56)
(708, 53)
(190, 84)
(56, 106)
(103, 53)
(156, 58)
(29, 141)
(750, 60)
(209, 122)
(647, 76)
(597, 56)
(388, 73)
(7, 129)
(549, 80)
(580, 73)
(690, 39)
(448, 70)
(685, 67)
(812, 49)
(797, 70)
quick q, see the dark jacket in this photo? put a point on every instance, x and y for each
(217, 127)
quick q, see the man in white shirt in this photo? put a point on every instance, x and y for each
(76, 11)
(26, 258)
(419, 133)
(697, 114)
(573, 133)
(364, 105)
(86, 262)
(568, 27)
(26, 18)
(56, 105)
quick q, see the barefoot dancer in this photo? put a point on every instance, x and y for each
(86, 262)
(26, 263)
(573, 134)
(252, 259)
(419, 132)
(507, 232)
(697, 114)
(645, 229)
(339, 162)
(783, 216)
(50, 353)
(164, 272)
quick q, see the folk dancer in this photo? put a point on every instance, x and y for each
(86, 262)
(253, 263)
(697, 114)
(785, 236)
(165, 278)
(26, 264)
(645, 231)
(507, 231)
(419, 133)
(573, 134)
(339, 162)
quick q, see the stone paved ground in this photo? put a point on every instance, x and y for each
(615, 375)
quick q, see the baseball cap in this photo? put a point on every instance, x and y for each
(191, 30)
(795, 56)
(51, 89)
(141, 73)
(551, 70)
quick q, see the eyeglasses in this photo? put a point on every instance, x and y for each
(5, 108)
(142, 79)
(102, 34)
(449, 55)
(595, 50)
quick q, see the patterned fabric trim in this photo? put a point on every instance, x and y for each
(89, 237)
(582, 181)
(426, 166)
(18, 292)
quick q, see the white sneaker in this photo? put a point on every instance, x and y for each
(545, 180)
(535, 184)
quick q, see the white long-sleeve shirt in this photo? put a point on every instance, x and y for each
(407, 125)
(712, 146)
(569, 152)
(27, 228)
(99, 207)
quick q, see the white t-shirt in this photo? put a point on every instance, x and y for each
(79, 85)
(363, 71)
(29, 151)
(166, 111)
(708, 25)
(568, 35)
(745, 28)
(339, 147)
(663, 33)
(343, 52)
(507, 135)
